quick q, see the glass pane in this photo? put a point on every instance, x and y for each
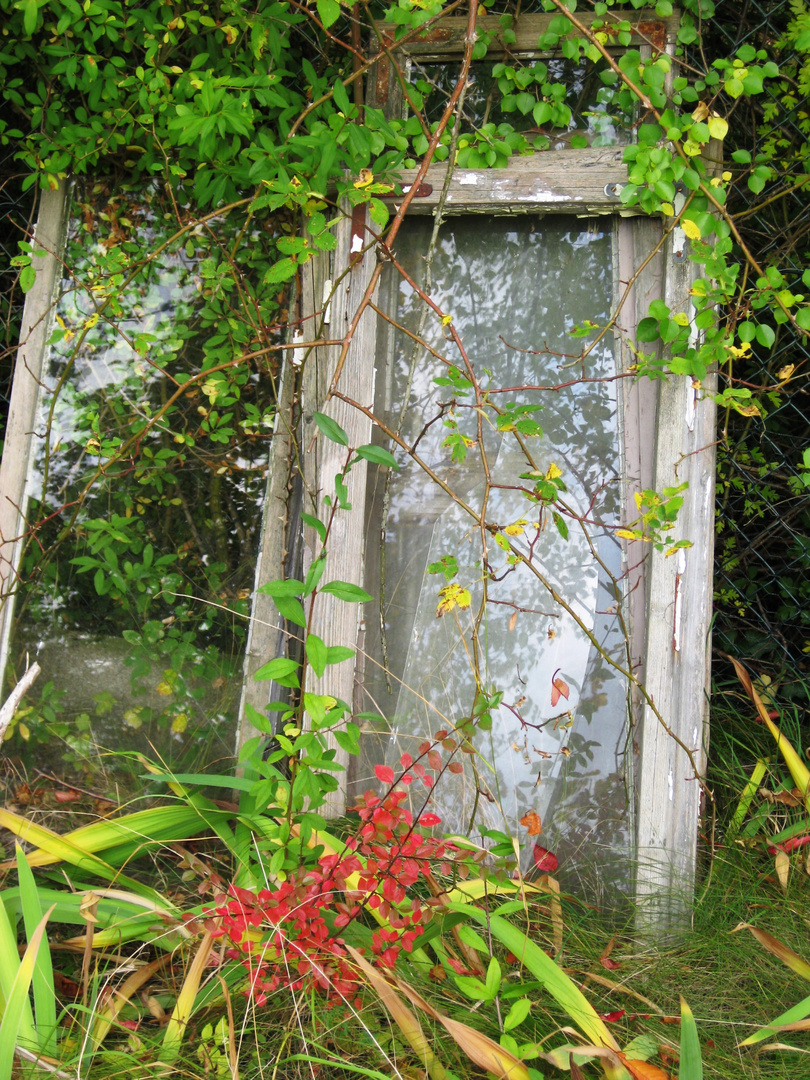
(512, 287)
(555, 103)
(145, 490)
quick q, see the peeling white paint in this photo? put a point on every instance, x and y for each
(357, 244)
(298, 354)
(676, 631)
(691, 406)
(678, 235)
(406, 189)
(326, 302)
(671, 785)
(467, 179)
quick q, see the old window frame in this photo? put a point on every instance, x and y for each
(669, 440)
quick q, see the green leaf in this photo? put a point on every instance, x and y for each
(766, 335)
(691, 1065)
(378, 454)
(285, 587)
(543, 968)
(344, 590)
(517, 1014)
(28, 276)
(331, 429)
(336, 654)
(316, 524)
(329, 12)
(44, 993)
(314, 575)
(280, 670)
(316, 654)
(290, 608)
(17, 1005)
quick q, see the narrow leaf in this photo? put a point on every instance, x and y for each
(330, 428)
(44, 994)
(691, 1065)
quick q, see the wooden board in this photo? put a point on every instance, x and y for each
(336, 621)
(582, 182)
(37, 321)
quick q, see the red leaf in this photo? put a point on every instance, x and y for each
(406, 761)
(545, 861)
(455, 767)
(606, 962)
(429, 820)
(612, 1017)
(435, 760)
(384, 773)
(67, 796)
(559, 688)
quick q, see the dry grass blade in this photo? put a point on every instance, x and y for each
(175, 1029)
(778, 949)
(798, 769)
(603, 980)
(405, 1020)
(121, 995)
(479, 1048)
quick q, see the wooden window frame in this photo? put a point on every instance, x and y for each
(669, 440)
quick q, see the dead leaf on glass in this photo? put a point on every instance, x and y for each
(513, 621)
(559, 688)
(532, 822)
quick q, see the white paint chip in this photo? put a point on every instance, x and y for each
(468, 179)
(298, 354)
(357, 244)
(326, 303)
(671, 785)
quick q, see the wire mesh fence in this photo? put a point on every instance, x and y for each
(762, 576)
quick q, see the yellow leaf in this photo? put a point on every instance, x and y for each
(700, 112)
(628, 534)
(365, 177)
(446, 320)
(516, 528)
(681, 318)
(718, 127)
(552, 472)
(667, 209)
(691, 229)
(180, 723)
(451, 596)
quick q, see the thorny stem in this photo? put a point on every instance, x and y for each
(623, 669)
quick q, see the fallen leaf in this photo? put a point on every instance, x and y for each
(513, 622)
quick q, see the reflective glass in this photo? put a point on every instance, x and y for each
(145, 489)
(512, 286)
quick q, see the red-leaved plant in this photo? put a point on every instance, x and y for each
(280, 934)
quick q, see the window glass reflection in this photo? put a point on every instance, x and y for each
(513, 287)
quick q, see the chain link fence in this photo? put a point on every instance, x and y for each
(762, 576)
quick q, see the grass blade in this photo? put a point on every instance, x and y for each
(9, 967)
(778, 949)
(691, 1066)
(15, 1024)
(176, 1028)
(792, 1016)
(553, 978)
(44, 993)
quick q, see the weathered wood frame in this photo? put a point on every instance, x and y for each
(668, 439)
(37, 322)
